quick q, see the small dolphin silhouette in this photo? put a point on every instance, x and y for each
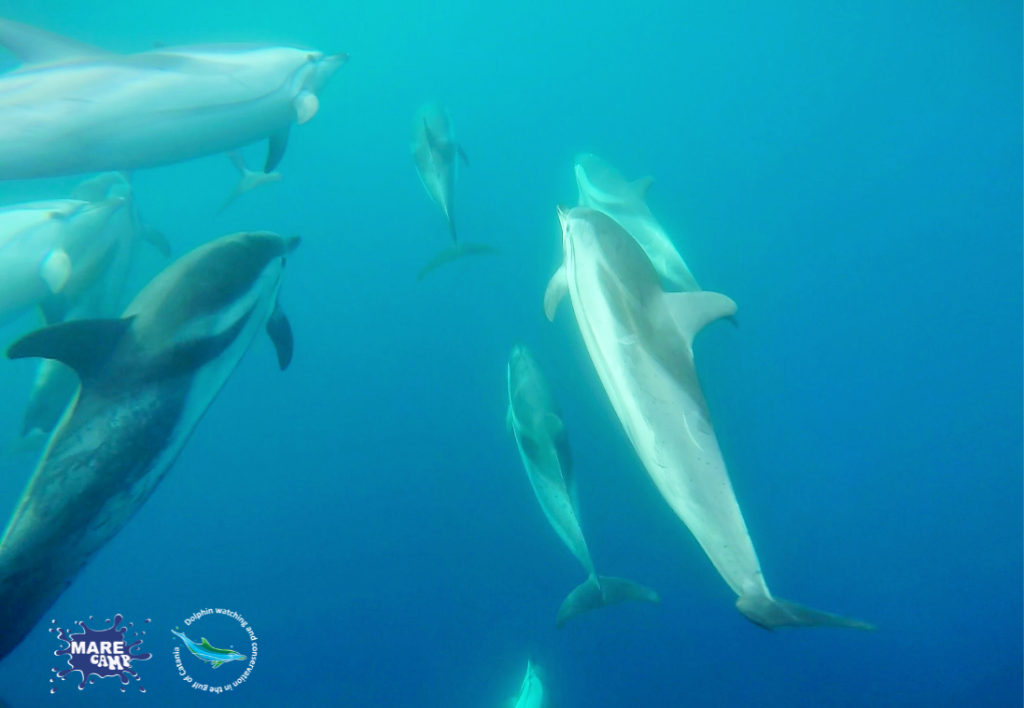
(205, 652)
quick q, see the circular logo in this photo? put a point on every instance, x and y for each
(214, 640)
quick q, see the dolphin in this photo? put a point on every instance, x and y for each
(55, 384)
(536, 421)
(604, 189)
(436, 154)
(247, 179)
(50, 247)
(212, 655)
(147, 378)
(640, 339)
(73, 109)
(531, 690)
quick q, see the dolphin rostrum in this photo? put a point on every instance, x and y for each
(604, 189)
(640, 339)
(147, 378)
(73, 109)
(536, 421)
(437, 154)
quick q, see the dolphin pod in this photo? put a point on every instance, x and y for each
(147, 378)
(436, 155)
(536, 422)
(72, 108)
(640, 339)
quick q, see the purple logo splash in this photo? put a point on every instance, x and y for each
(101, 653)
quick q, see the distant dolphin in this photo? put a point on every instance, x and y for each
(640, 339)
(531, 691)
(536, 422)
(604, 189)
(436, 154)
(50, 247)
(147, 379)
(247, 179)
(73, 108)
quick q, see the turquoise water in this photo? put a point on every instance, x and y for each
(850, 176)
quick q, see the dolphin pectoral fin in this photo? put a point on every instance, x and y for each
(450, 254)
(306, 105)
(557, 289)
(56, 269)
(601, 591)
(508, 421)
(641, 186)
(280, 331)
(156, 239)
(35, 46)
(278, 143)
(772, 612)
(462, 154)
(84, 345)
(217, 664)
(692, 311)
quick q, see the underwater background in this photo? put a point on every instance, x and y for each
(849, 173)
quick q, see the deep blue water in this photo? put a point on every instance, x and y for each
(850, 174)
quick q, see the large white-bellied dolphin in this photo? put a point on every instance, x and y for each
(640, 339)
(147, 379)
(50, 247)
(73, 109)
(536, 422)
(436, 154)
(603, 188)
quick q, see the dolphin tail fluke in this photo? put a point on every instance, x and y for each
(602, 591)
(455, 252)
(772, 612)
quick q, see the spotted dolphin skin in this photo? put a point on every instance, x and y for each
(72, 108)
(212, 655)
(536, 422)
(640, 340)
(147, 378)
(436, 154)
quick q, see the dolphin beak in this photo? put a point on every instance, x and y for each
(291, 243)
(325, 69)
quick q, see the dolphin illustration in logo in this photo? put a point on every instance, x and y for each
(536, 422)
(147, 378)
(212, 655)
(72, 108)
(437, 154)
(640, 339)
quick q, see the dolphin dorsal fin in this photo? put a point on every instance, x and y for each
(557, 288)
(205, 644)
(641, 186)
(560, 439)
(692, 311)
(84, 345)
(34, 46)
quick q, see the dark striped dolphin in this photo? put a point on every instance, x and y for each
(536, 421)
(437, 154)
(147, 378)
